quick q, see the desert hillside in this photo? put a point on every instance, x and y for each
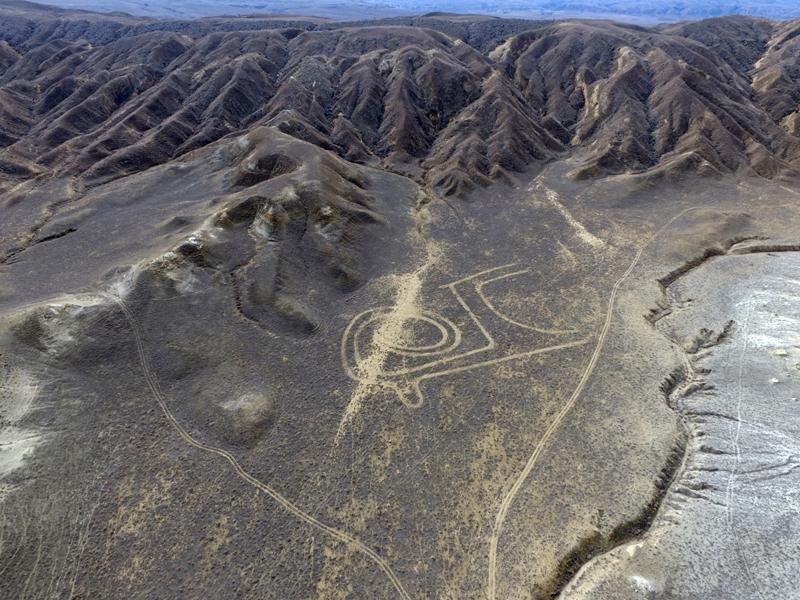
(446, 306)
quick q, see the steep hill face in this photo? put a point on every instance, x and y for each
(775, 77)
(699, 97)
(638, 100)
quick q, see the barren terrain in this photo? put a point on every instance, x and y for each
(453, 307)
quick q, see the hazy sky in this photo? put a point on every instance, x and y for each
(636, 10)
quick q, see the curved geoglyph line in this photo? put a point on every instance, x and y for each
(479, 289)
(556, 422)
(337, 534)
(404, 380)
(450, 336)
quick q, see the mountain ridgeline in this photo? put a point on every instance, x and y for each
(453, 102)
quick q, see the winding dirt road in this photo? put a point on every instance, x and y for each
(491, 587)
(155, 389)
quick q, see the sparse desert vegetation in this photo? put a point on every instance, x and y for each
(446, 306)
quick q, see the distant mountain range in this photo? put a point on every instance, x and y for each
(630, 10)
(456, 101)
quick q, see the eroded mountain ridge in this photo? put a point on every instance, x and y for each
(454, 110)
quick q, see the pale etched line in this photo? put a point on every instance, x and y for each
(400, 389)
(414, 385)
(3, 527)
(497, 361)
(83, 536)
(349, 334)
(437, 347)
(478, 274)
(35, 569)
(153, 385)
(56, 562)
(584, 234)
(479, 289)
(534, 457)
(357, 352)
(490, 343)
(267, 574)
(20, 544)
(358, 323)
(737, 449)
(369, 370)
(61, 566)
(740, 393)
